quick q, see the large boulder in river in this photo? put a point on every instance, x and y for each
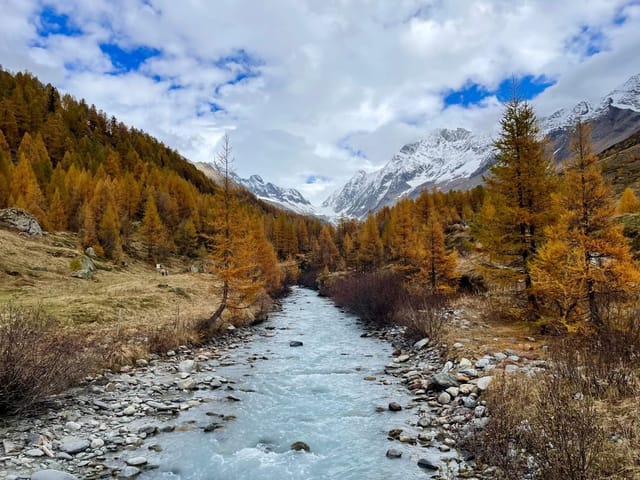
(300, 446)
(20, 220)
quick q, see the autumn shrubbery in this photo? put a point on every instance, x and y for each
(576, 421)
(374, 297)
(37, 359)
(425, 317)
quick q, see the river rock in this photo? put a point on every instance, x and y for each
(295, 343)
(427, 464)
(394, 453)
(444, 398)
(187, 366)
(484, 382)
(453, 391)
(482, 363)
(465, 363)
(444, 380)
(395, 406)
(469, 402)
(129, 472)
(52, 475)
(420, 344)
(97, 443)
(136, 461)
(73, 445)
(10, 447)
(34, 452)
(130, 410)
(300, 446)
(424, 422)
(187, 384)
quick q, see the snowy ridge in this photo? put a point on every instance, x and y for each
(624, 97)
(285, 198)
(443, 156)
(457, 158)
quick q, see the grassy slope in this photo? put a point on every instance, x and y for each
(34, 272)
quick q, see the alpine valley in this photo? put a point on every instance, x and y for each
(456, 159)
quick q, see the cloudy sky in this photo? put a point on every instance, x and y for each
(312, 90)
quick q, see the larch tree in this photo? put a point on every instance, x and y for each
(25, 190)
(590, 250)
(369, 245)
(437, 266)
(154, 233)
(628, 202)
(232, 251)
(519, 188)
(56, 215)
(326, 254)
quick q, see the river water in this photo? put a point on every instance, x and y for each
(315, 393)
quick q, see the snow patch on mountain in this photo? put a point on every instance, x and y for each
(285, 198)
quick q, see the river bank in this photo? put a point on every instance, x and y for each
(87, 430)
(446, 395)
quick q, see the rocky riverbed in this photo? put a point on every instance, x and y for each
(90, 431)
(103, 428)
(446, 398)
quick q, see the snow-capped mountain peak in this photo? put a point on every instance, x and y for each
(443, 156)
(286, 198)
(626, 96)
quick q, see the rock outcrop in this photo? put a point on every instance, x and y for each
(20, 220)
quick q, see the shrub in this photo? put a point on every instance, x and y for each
(374, 297)
(37, 359)
(425, 317)
(75, 265)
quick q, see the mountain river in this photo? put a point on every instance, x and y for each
(316, 393)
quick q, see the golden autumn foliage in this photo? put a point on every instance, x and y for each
(628, 202)
(153, 232)
(519, 188)
(586, 255)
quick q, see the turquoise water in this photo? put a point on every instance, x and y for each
(315, 393)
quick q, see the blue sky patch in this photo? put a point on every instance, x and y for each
(311, 179)
(345, 144)
(127, 60)
(588, 42)
(471, 94)
(52, 22)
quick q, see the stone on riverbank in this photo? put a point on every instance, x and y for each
(444, 380)
(129, 472)
(484, 382)
(395, 407)
(52, 475)
(73, 445)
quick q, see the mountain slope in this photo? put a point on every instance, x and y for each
(444, 157)
(286, 198)
(448, 159)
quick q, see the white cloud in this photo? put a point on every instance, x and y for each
(331, 86)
